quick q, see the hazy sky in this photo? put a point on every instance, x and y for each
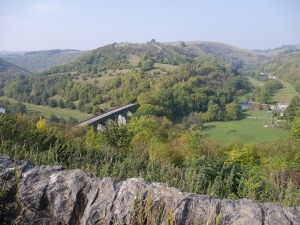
(88, 24)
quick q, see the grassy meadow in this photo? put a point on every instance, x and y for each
(285, 94)
(249, 129)
(252, 80)
(47, 111)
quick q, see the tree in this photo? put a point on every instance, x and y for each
(144, 98)
(233, 111)
(295, 128)
(54, 118)
(148, 109)
(291, 110)
(193, 121)
(264, 96)
(52, 103)
(115, 135)
(16, 109)
(88, 108)
(70, 104)
(41, 124)
(97, 110)
(80, 105)
(61, 103)
(214, 113)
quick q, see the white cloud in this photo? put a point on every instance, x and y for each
(45, 7)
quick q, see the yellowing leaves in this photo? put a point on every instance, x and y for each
(41, 124)
(246, 155)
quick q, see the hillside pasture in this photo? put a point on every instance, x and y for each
(101, 80)
(167, 67)
(253, 81)
(250, 129)
(285, 94)
(47, 111)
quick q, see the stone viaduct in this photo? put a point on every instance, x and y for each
(99, 121)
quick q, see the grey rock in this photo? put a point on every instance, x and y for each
(52, 195)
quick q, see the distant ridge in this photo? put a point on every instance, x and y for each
(36, 61)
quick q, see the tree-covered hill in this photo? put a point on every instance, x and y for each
(230, 54)
(120, 56)
(36, 61)
(285, 66)
(126, 55)
(8, 72)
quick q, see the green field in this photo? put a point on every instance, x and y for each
(48, 111)
(249, 129)
(252, 80)
(285, 94)
(168, 67)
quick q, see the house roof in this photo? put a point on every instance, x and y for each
(278, 110)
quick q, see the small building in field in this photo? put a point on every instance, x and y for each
(280, 108)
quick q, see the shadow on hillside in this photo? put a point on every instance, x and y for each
(209, 127)
(245, 114)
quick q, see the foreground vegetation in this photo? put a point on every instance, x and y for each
(155, 149)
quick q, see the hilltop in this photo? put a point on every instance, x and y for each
(126, 55)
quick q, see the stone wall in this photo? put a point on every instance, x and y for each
(51, 195)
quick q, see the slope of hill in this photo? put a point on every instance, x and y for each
(116, 56)
(8, 72)
(224, 52)
(285, 66)
(37, 61)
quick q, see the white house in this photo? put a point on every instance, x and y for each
(280, 108)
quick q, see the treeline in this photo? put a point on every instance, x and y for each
(157, 150)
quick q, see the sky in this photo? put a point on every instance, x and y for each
(32, 25)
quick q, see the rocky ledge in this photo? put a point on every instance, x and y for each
(51, 195)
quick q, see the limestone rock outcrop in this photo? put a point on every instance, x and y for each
(52, 195)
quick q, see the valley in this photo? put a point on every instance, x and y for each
(188, 130)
